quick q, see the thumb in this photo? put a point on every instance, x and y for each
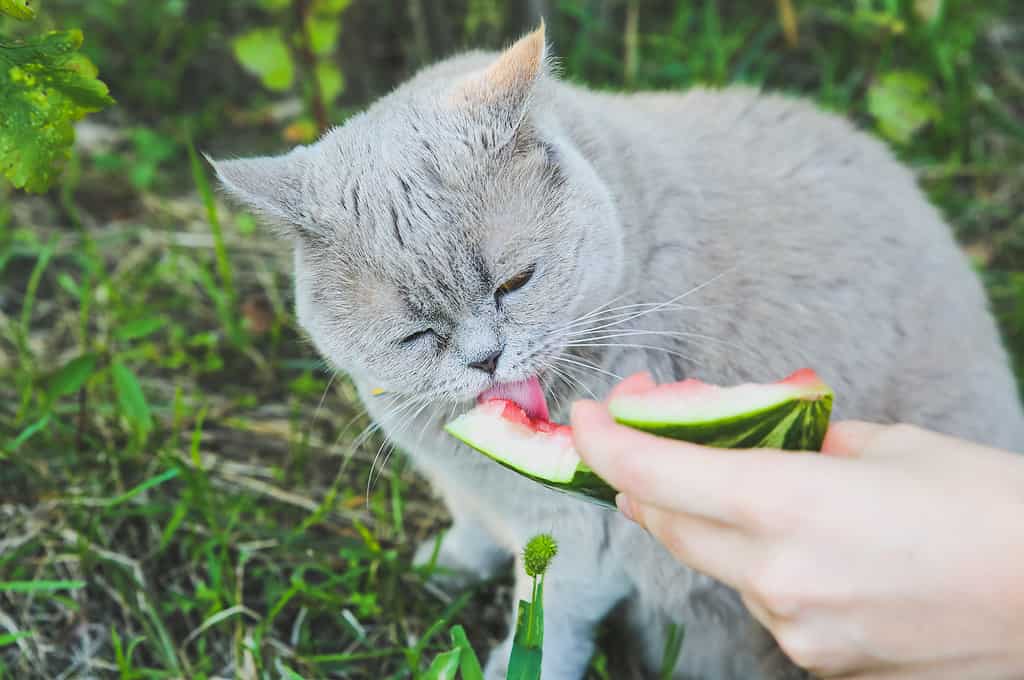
(850, 437)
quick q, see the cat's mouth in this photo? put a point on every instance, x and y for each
(527, 393)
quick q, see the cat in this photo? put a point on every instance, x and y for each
(486, 223)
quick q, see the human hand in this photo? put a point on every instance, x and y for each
(898, 554)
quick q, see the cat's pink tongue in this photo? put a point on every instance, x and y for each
(527, 393)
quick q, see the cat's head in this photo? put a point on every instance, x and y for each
(444, 236)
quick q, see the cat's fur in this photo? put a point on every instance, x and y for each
(792, 239)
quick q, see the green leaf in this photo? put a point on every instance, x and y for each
(263, 52)
(144, 486)
(902, 103)
(525, 659)
(469, 664)
(39, 586)
(28, 433)
(72, 376)
(45, 86)
(673, 648)
(140, 328)
(323, 33)
(330, 6)
(274, 5)
(331, 80)
(131, 399)
(445, 666)
(11, 638)
(19, 9)
(289, 674)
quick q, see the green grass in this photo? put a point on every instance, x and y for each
(173, 501)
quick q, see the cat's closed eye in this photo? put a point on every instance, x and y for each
(413, 337)
(515, 283)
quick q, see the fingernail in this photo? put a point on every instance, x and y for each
(624, 505)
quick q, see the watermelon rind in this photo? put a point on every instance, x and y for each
(793, 417)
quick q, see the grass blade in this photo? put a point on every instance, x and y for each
(673, 648)
(72, 376)
(131, 398)
(11, 638)
(469, 664)
(148, 484)
(28, 433)
(39, 586)
(445, 666)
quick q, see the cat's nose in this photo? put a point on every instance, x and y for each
(488, 364)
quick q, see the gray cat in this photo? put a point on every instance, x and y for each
(485, 223)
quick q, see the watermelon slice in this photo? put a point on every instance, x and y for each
(792, 414)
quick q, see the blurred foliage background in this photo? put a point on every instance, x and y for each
(173, 498)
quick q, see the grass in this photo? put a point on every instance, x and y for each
(174, 498)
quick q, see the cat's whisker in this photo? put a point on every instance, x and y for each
(626, 310)
(323, 397)
(588, 366)
(389, 445)
(655, 348)
(601, 307)
(667, 303)
(672, 334)
(570, 379)
(396, 406)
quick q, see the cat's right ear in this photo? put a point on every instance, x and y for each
(270, 186)
(501, 92)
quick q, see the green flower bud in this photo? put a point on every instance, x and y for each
(538, 554)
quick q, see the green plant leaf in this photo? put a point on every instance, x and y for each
(40, 586)
(673, 648)
(525, 659)
(45, 86)
(29, 432)
(71, 376)
(445, 666)
(469, 664)
(331, 80)
(11, 638)
(140, 328)
(902, 104)
(323, 33)
(19, 9)
(264, 53)
(131, 399)
(289, 674)
(330, 6)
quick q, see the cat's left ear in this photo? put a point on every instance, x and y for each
(504, 88)
(271, 186)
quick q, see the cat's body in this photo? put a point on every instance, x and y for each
(786, 238)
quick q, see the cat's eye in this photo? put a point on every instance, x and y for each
(516, 282)
(413, 337)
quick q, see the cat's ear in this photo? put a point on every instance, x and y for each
(271, 186)
(504, 88)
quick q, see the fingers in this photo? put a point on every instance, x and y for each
(718, 550)
(675, 475)
(850, 437)
(638, 382)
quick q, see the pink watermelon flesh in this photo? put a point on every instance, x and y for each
(693, 401)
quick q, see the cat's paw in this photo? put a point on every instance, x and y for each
(463, 559)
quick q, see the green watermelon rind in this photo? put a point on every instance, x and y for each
(796, 424)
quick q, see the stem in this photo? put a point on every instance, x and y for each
(529, 615)
(631, 41)
(301, 10)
